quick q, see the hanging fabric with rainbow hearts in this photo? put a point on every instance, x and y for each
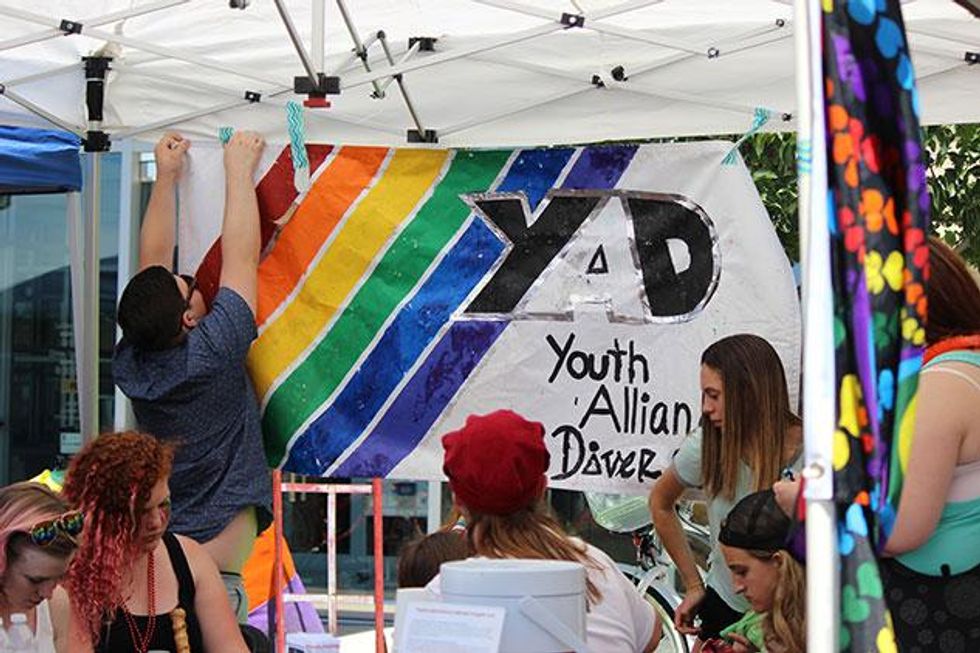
(879, 218)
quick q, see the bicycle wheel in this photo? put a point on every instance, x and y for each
(663, 601)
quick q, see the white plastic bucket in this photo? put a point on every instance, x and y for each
(545, 600)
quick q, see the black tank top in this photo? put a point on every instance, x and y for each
(116, 637)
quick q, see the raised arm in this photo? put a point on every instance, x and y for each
(663, 502)
(157, 235)
(240, 235)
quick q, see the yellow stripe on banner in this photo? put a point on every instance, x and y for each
(362, 237)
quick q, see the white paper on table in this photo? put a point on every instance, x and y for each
(431, 627)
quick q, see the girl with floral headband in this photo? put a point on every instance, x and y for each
(38, 537)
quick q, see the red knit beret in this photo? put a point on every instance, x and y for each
(496, 463)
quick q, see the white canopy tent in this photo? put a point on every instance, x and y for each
(501, 72)
(463, 73)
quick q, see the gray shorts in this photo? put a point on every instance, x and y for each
(236, 595)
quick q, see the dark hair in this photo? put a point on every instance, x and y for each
(150, 309)
(757, 415)
(954, 298)
(757, 523)
(419, 560)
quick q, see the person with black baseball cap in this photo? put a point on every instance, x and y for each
(754, 539)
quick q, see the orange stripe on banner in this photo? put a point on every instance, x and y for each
(328, 199)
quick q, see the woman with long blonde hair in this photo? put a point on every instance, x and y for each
(496, 466)
(748, 435)
(753, 541)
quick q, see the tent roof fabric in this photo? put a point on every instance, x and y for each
(502, 72)
(38, 161)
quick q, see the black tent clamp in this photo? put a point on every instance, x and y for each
(96, 68)
(426, 43)
(314, 85)
(70, 27)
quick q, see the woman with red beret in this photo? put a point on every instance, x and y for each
(496, 466)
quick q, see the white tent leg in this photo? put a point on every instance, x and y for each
(83, 242)
(129, 226)
(88, 375)
(823, 614)
(318, 33)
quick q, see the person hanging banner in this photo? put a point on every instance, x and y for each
(879, 218)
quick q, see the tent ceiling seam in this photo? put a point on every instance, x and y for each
(52, 72)
(95, 21)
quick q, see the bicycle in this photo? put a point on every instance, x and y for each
(654, 574)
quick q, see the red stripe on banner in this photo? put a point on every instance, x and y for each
(276, 193)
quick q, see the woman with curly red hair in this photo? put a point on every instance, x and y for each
(133, 584)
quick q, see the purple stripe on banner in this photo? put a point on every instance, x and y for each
(423, 398)
(600, 167)
(426, 395)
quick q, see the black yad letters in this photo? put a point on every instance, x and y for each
(657, 219)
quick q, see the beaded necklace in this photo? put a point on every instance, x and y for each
(141, 641)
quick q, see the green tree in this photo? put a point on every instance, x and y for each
(954, 169)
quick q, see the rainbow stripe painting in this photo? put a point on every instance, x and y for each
(409, 286)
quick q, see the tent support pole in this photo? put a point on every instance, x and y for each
(822, 578)
(87, 309)
(38, 111)
(318, 33)
(443, 57)
(129, 226)
(360, 49)
(411, 52)
(304, 56)
(401, 84)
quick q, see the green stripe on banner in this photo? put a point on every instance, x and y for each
(398, 272)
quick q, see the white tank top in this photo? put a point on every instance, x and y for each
(44, 631)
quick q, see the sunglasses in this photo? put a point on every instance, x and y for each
(191, 287)
(46, 532)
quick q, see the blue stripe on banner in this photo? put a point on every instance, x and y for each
(534, 171)
(447, 367)
(424, 398)
(397, 351)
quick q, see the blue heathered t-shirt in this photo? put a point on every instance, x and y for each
(199, 396)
